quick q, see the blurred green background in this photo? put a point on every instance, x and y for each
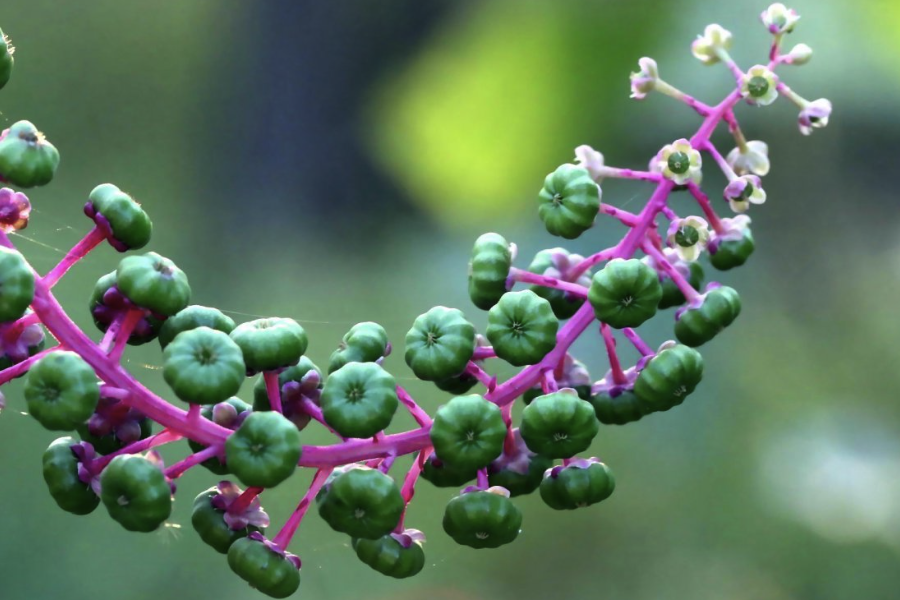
(333, 162)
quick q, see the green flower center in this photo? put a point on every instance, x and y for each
(687, 236)
(748, 191)
(758, 86)
(679, 162)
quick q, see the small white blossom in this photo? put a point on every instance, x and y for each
(688, 237)
(754, 158)
(588, 158)
(706, 47)
(779, 19)
(814, 116)
(758, 86)
(799, 54)
(679, 161)
(732, 230)
(744, 191)
(644, 81)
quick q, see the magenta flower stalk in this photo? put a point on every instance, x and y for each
(80, 385)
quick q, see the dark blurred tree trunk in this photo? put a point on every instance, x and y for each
(303, 70)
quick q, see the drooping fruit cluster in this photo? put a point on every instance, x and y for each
(80, 386)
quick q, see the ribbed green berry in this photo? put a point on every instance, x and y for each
(730, 253)
(468, 432)
(620, 409)
(522, 328)
(61, 475)
(569, 201)
(270, 344)
(577, 485)
(359, 399)
(361, 502)
(442, 474)
(583, 391)
(365, 342)
(271, 573)
(209, 523)
(457, 384)
(146, 330)
(264, 450)
(489, 269)
(625, 293)
(440, 344)
(192, 317)
(482, 519)
(16, 285)
(559, 424)
(136, 493)
(547, 262)
(390, 556)
(123, 220)
(153, 282)
(671, 295)
(203, 366)
(667, 378)
(698, 325)
(6, 60)
(61, 391)
(232, 409)
(27, 159)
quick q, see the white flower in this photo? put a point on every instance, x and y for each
(679, 161)
(779, 19)
(688, 237)
(706, 47)
(758, 86)
(799, 55)
(754, 158)
(814, 116)
(744, 191)
(588, 158)
(644, 81)
(732, 230)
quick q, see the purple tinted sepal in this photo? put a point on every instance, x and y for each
(409, 537)
(293, 558)
(252, 515)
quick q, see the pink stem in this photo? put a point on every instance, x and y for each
(674, 274)
(409, 484)
(132, 318)
(735, 70)
(637, 342)
(482, 482)
(111, 331)
(627, 218)
(524, 276)
(488, 381)
(111, 391)
(15, 329)
(387, 462)
(589, 262)
(283, 538)
(548, 382)
(273, 389)
(315, 412)
(244, 501)
(78, 251)
(709, 124)
(176, 470)
(484, 352)
(705, 205)
(10, 373)
(414, 409)
(509, 442)
(720, 160)
(163, 437)
(615, 366)
(629, 174)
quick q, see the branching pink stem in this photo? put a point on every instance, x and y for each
(15, 329)
(132, 318)
(509, 442)
(409, 484)
(632, 336)
(10, 373)
(618, 375)
(176, 470)
(111, 391)
(315, 411)
(482, 482)
(706, 206)
(548, 381)
(626, 218)
(283, 538)
(674, 274)
(163, 437)
(628, 174)
(273, 389)
(523, 276)
(484, 352)
(244, 501)
(720, 160)
(421, 417)
(488, 381)
(78, 251)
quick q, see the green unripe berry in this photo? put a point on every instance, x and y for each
(123, 220)
(577, 485)
(522, 328)
(270, 344)
(27, 159)
(440, 344)
(394, 555)
(61, 391)
(61, 475)
(698, 325)
(468, 432)
(365, 342)
(264, 450)
(731, 253)
(203, 366)
(209, 523)
(192, 317)
(16, 285)
(153, 282)
(271, 573)
(625, 293)
(482, 519)
(136, 493)
(569, 201)
(359, 399)
(489, 269)
(668, 378)
(6, 59)
(559, 424)
(361, 502)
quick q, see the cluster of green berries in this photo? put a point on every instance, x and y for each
(107, 455)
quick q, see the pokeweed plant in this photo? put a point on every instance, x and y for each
(79, 385)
